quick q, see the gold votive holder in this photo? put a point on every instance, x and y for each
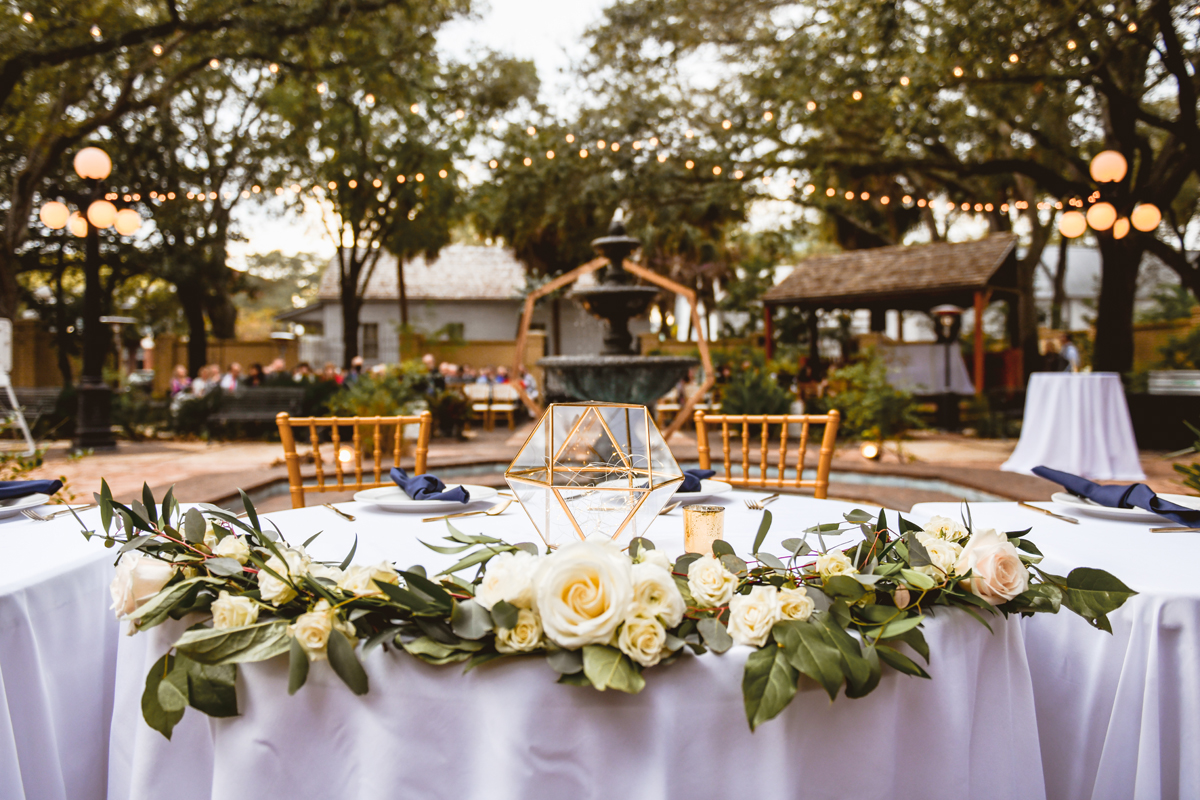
(702, 525)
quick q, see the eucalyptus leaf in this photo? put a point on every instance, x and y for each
(349, 556)
(173, 690)
(106, 513)
(193, 526)
(155, 715)
(898, 661)
(444, 550)
(235, 645)
(224, 566)
(763, 527)
(720, 547)
(683, 562)
(574, 679)
(917, 580)
(797, 547)
(404, 598)
(211, 688)
(768, 684)
(297, 666)
(470, 620)
(251, 513)
(135, 543)
(735, 565)
(156, 609)
(897, 627)
(857, 516)
(565, 662)
(771, 561)
(141, 515)
(608, 668)
(504, 614)
(808, 652)
(169, 505)
(481, 658)
(716, 636)
(844, 586)
(528, 547)
(1093, 594)
(148, 504)
(918, 556)
(345, 663)
(311, 539)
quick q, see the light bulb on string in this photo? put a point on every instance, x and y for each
(583, 153)
(904, 80)
(157, 49)
(54, 215)
(1108, 166)
(849, 195)
(1072, 224)
(528, 161)
(689, 164)
(102, 214)
(830, 192)
(958, 72)
(1120, 228)
(811, 105)
(128, 222)
(77, 224)
(27, 17)
(92, 163)
(1101, 216)
(570, 137)
(1145, 217)
(442, 173)
(727, 124)
(95, 31)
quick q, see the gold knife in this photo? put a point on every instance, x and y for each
(1175, 530)
(338, 511)
(1072, 520)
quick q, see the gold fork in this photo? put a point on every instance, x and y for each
(338, 511)
(33, 515)
(491, 512)
(758, 505)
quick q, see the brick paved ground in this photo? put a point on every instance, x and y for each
(214, 471)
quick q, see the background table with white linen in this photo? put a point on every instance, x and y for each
(507, 730)
(1119, 715)
(920, 368)
(1077, 423)
(58, 647)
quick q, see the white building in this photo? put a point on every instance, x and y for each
(469, 293)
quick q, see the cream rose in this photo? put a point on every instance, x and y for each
(508, 577)
(751, 616)
(834, 563)
(943, 553)
(657, 558)
(233, 612)
(997, 574)
(138, 578)
(796, 604)
(275, 591)
(210, 536)
(655, 591)
(363, 581)
(946, 528)
(643, 638)
(234, 547)
(526, 636)
(312, 630)
(583, 592)
(319, 570)
(709, 582)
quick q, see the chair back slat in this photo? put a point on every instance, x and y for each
(315, 425)
(819, 485)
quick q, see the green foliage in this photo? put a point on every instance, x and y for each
(1181, 352)
(754, 391)
(1171, 302)
(871, 407)
(1191, 472)
(450, 410)
(396, 390)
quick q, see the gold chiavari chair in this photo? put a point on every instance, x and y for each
(820, 485)
(342, 455)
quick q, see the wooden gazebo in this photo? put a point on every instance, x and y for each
(912, 278)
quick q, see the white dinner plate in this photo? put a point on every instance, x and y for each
(708, 489)
(1085, 506)
(16, 505)
(393, 498)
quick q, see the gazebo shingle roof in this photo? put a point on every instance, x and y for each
(461, 272)
(901, 277)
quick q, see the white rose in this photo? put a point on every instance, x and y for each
(583, 592)
(508, 577)
(944, 554)
(997, 574)
(657, 558)
(234, 547)
(655, 591)
(834, 563)
(946, 528)
(275, 591)
(526, 636)
(138, 578)
(751, 616)
(363, 581)
(796, 604)
(233, 612)
(709, 582)
(643, 638)
(318, 570)
(312, 630)
(210, 536)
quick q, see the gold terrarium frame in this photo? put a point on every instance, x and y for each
(685, 412)
(522, 475)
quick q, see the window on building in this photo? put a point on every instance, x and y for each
(370, 340)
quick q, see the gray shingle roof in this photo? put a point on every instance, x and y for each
(939, 272)
(461, 272)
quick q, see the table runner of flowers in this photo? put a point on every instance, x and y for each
(601, 616)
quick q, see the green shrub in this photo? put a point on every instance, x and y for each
(398, 390)
(1181, 352)
(450, 411)
(871, 407)
(1191, 472)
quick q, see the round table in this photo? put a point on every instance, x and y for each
(1118, 715)
(1077, 423)
(58, 648)
(507, 730)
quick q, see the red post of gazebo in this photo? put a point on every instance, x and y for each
(980, 304)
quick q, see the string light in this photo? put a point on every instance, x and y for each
(95, 31)
(583, 153)
(885, 200)
(28, 19)
(570, 138)
(654, 141)
(1071, 44)
(958, 72)
(907, 199)
(460, 113)
(442, 173)
(727, 124)
(849, 195)
(1132, 27)
(1014, 58)
(528, 161)
(768, 116)
(378, 184)
(830, 192)
(689, 164)
(716, 170)
(400, 179)
(921, 203)
(904, 80)
(637, 145)
(662, 157)
(811, 105)
(493, 163)
(689, 133)
(421, 176)
(600, 145)
(532, 131)
(273, 69)
(738, 174)
(616, 146)
(857, 95)
(865, 196)
(353, 184)
(550, 154)
(213, 64)
(157, 49)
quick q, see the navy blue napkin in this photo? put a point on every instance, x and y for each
(13, 489)
(1135, 495)
(428, 487)
(692, 478)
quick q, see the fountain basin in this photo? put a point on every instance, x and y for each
(613, 379)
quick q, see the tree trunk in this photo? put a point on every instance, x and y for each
(8, 284)
(350, 312)
(1060, 286)
(556, 325)
(403, 295)
(191, 297)
(1119, 262)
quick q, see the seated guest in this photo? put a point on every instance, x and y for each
(501, 374)
(179, 380)
(231, 382)
(356, 368)
(331, 373)
(256, 376)
(303, 373)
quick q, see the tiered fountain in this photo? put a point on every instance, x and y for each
(618, 374)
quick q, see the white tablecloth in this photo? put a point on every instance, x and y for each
(920, 368)
(1119, 715)
(58, 643)
(508, 731)
(1077, 423)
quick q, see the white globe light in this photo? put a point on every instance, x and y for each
(1108, 166)
(1145, 217)
(102, 214)
(77, 225)
(128, 222)
(1101, 216)
(1072, 224)
(92, 162)
(1121, 228)
(54, 215)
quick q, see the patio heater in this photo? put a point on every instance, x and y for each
(949, 323)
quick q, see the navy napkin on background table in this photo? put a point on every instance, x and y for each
(14, 489)
(1135, 495)
(428, 487)
(692, 478)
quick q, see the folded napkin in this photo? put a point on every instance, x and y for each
(428, 487)
(1135, 495)
(13, 489)
(692, 478)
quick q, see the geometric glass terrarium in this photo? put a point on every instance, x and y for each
(593, 471)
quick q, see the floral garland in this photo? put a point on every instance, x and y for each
(600, 615)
